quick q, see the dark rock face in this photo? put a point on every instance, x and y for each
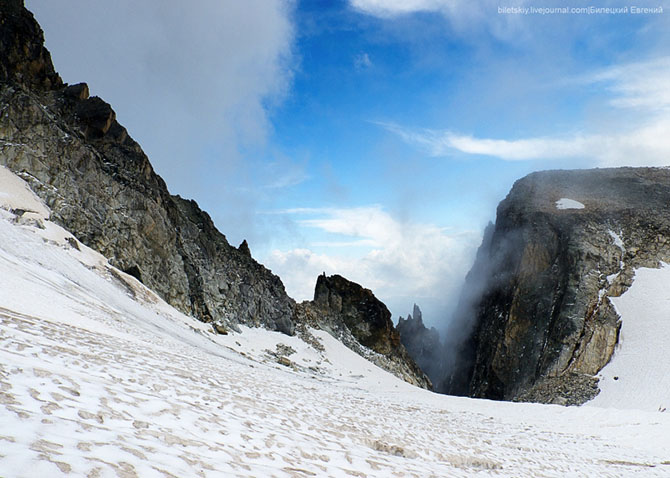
(543, 323)
(424, 346)
(366, 316)
(244, 248)
(77, 92)
(355, 316)
(95, 115)
(23, 58)
(459, 346)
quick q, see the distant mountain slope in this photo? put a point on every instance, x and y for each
(362, 322)
(424, 346)
(100, 377)
(564, 243)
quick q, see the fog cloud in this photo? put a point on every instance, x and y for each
(402, 262)
(193, 82)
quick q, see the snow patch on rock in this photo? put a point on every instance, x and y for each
(17, 196)
(565, 203)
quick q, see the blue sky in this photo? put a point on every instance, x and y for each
(370, 138)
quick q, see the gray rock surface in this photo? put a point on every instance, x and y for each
(544, 326)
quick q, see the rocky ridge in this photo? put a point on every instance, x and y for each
(363, 323)
(543, 324)
(100, 185)
(424, 346)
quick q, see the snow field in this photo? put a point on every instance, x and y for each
(638, 376)
(100, 378)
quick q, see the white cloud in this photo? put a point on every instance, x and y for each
(399, 261)
(363, 222)
(642, 85)
(194, 83)
(362, 61)
(216, 62)
(639, 89)
(523, 149)
(401, 7)
(464, 16)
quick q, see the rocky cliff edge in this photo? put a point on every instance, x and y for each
(563, 243)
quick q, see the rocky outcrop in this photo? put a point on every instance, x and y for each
(100, 185)
(365, 316)
(424, 346)
(23, 58)
(357, 318)
(543, 322)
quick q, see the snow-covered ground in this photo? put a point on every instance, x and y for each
(101, 378)
(638, 376)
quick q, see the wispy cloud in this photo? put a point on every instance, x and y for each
(400, 7)
(371, 223)
(280, 173)
(639, 89)
(641, 85)
(362, 61)
(398, 260)
(464, 16)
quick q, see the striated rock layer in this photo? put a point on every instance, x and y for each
(563, 243)
(101, 186)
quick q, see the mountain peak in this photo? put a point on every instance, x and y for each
(24, 60)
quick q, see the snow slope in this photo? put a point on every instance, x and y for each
(101, 378)
(638, 376)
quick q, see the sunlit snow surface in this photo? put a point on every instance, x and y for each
(565, 203)
(638, 376)
(102, 379)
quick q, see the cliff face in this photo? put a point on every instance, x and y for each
(23, 58)
(543, 323)
(100, 185)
